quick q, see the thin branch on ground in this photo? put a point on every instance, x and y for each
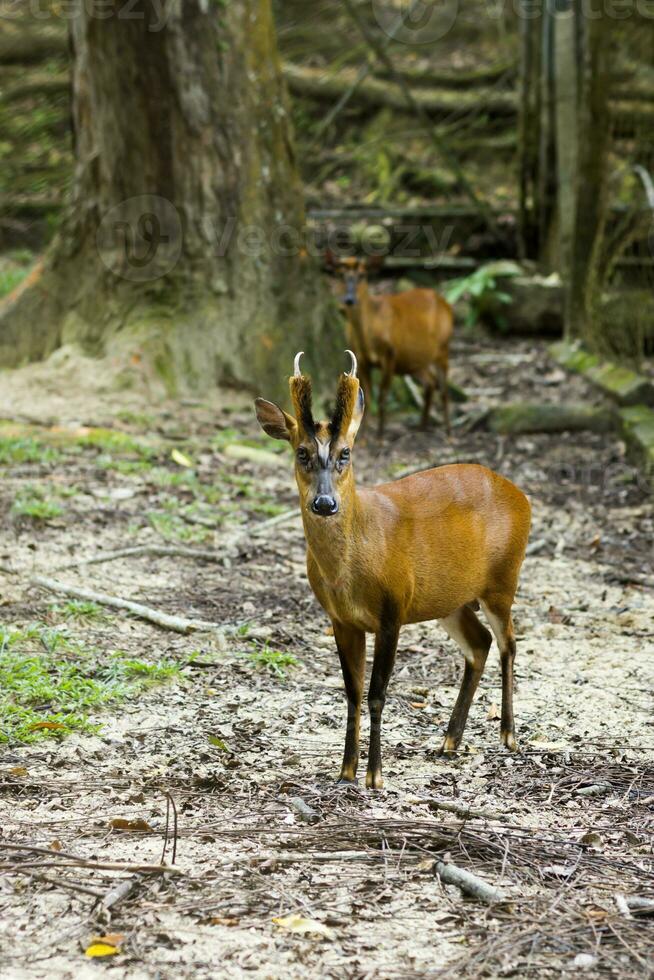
(179, 624)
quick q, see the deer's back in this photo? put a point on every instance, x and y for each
(417, 326)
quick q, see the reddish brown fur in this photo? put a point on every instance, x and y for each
(401, 333)
(422, 548)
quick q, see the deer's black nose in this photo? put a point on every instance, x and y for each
(324, 505)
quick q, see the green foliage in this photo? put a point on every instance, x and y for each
(140, 419)
(114, 441)
(126, 467)
(33, 503)
(49, 683)
(482, 291)
(10, 278)
(275, 661)
(25, 450)
(171, 527)
(78, 609)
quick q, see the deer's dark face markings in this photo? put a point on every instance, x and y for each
(321, 464)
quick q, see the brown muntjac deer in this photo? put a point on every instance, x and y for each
(425, 547)
(399, 333)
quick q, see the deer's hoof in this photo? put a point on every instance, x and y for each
(374, 780)
(508, 739)
(449, 746)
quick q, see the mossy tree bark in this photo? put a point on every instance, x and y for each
(183, 245)
(590, 204)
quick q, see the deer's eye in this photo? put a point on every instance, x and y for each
(344, 456)
(302, 456)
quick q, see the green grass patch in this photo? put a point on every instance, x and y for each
(80, 610)
(140, 419)
(226, 437)
(114, 441)
(10, 278)
(16, 450)
(172, 528)
(275, 662)
(33, 503)
(126, 467)
(49, 683)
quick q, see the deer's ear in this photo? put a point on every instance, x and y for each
(330, 260)
(274, 421)
(357, 416)
(374, 263)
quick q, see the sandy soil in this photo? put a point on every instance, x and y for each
(563, 828)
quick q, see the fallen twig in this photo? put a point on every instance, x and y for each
(264, 526)
(170, 804)
(119, 892)
(640, 906)
(154, 550)
(74, 886)
(306, 813)
(145, 869)
(450, 874)
(179, 624)
(178, 551)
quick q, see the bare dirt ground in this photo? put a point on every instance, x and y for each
(279, 873)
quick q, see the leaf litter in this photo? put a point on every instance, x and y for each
(229, 766)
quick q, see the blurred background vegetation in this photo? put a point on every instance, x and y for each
(487, 131)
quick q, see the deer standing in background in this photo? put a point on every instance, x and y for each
(425, 547)
(399, 333)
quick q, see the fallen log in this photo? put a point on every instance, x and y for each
(431, 78)
(375, 93)
(27, 47)
(470, 884)
(36, 85)
(519, 418)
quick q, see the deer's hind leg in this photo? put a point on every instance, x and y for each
(497, 610)
(475, 641)
(442, 374)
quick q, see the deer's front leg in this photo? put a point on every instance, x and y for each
(351, 644)
(385, 647)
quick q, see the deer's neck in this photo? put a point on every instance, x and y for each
(334, 542)
(359, 317)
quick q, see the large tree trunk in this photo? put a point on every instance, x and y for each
(567, 134)
(183, 246)
(537, 137)
(591, 183)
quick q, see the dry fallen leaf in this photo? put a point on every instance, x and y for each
(591, 839)
(18, 771)
(301, 926)
(120, 823)
(558, 870)
(96, 950)
(55, 845)
(181, 459)
(50, 726)
(221, 920)
(493, 713)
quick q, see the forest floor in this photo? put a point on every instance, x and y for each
(108, 723)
